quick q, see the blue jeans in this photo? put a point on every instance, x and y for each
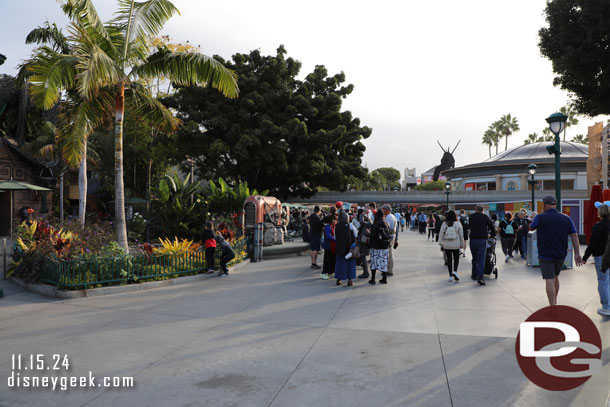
(477, 249)
(603, 283)
(524, 245)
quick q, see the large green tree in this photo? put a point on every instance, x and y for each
(576, 42)
(386, 177)
(105, 64)
(284, 134)
(509, 125)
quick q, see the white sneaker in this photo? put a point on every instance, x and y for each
(451, 279)
(324, 276)
(455, 275)
(604, 311)
(507, 258)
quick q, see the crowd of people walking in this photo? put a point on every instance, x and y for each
(368, 237)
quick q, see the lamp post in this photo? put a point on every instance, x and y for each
(532, 171)
(557, 122)
(447, 191)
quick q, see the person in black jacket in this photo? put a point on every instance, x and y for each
(508, 234)
(481, 228)
(345, 266)
(380, 243)
(597, 246)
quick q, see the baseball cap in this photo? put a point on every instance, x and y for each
(386, 207)
(549, 200)
(338, 204)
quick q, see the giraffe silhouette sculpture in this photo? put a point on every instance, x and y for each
(447, 161)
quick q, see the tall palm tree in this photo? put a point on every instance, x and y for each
(69, 132)
(547, 134)
(533, 138)
(105, 65)
(488, 138)
(510, 125)
(496, 128)
(572, 119)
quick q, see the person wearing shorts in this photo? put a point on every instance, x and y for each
(315, 236)
(554, 228)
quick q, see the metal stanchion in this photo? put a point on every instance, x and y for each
(258, 243)
(4, 255)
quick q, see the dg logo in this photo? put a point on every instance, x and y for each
(559, 348)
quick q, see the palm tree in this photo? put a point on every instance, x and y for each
(548, 134)
(496, 128)
(76, 125)
(533, 138)
(580, 138)
(571, 121)
(510, 125)
(106, 61)
(488, 138)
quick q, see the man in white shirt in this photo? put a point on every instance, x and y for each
(392, 223)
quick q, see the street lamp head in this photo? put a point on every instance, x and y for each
(557, 122)
(532, 169)
(447, 185)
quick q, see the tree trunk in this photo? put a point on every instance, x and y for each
(506, 142)
(119, 189)
(21, 118)
(61, 194)
(82, 186)
(148, 184)
(497, 148)
(489, 147)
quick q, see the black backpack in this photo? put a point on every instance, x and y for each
(384, 234)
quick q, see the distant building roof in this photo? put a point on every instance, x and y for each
(518, 158)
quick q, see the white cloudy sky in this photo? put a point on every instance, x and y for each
(423, 70)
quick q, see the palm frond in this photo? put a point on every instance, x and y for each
(96, 69)
(84, 14)
(190, 69)
(79, 121)
(139, 100)
(147, 17)
(49, 34)
(50, 74)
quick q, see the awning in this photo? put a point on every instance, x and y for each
(20, 185)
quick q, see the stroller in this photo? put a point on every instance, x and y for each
(490, 259)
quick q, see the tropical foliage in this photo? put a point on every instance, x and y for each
(104, 66)
(184, 246)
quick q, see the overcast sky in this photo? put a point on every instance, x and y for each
(423, 70)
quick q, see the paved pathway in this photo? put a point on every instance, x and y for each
(274, 334)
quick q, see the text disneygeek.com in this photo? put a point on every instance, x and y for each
(23, 364)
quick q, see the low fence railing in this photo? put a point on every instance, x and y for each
(102, 271)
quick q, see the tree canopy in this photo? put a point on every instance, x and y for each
(386, 177)
(283, 134)
(576, 42)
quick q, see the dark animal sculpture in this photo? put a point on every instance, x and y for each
(447, 161)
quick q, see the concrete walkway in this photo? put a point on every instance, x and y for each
(274, 334)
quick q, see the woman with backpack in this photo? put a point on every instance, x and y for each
(508, 234)
(451, 239)
(380, 244)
